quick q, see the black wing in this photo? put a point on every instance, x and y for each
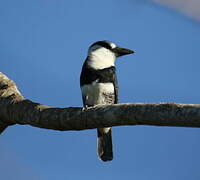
(116, 88)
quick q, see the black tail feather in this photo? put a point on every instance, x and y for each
(104, 144)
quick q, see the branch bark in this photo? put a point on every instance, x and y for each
(15, 109)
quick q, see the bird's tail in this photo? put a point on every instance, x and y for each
(104, 144)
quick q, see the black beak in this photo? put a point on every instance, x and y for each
(122, 51)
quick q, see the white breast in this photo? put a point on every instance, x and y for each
(98, 93)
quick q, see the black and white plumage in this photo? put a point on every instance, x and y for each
(98, 83)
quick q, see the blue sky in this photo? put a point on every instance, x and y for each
(43, 44)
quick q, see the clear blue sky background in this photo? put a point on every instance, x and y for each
(43, 44)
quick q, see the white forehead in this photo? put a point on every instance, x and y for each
(95, 47)
(113, 45)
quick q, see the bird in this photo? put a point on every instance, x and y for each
(98, 83)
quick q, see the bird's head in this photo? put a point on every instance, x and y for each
(102, 54)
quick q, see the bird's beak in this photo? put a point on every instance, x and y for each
(122, 51)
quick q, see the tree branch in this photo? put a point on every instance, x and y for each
(15, 109)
